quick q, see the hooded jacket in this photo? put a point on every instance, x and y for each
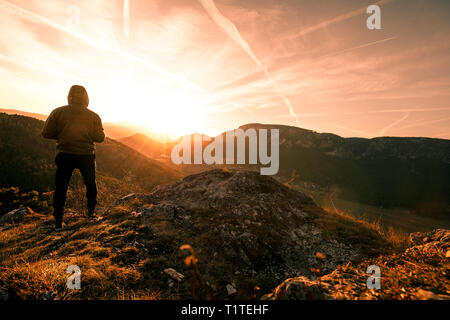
(74, 127)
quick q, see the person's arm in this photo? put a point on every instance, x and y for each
(99, 134)
(50, 130)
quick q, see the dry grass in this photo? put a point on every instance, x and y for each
(395, 238)
(34, 259)
(404, 275)
(122, 257)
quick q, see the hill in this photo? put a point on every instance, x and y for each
(384, 172)
(27, 160)
(113, 130)
(219, 233)
(404, 172)
(24, 113)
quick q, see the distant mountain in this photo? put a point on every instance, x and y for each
(147, 146)
(386, 171)
(121, 130)
(27, 159)
(162, 151)
(118, 131)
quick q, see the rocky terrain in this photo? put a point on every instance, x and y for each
(421, 272)
(217, 234)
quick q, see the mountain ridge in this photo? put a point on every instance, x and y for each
(411, 173)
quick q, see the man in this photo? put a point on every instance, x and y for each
(75, 129)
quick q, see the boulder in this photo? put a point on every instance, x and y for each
(231, 289)
(16, 215)
(174, 274)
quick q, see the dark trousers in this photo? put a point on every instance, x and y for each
(65, 164)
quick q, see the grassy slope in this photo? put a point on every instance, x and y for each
(122, 257)
(399, 218)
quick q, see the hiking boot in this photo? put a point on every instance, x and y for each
(58, 224)
(91, 213)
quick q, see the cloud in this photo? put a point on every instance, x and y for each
(236, 63)
(230, 29)
(337, 19)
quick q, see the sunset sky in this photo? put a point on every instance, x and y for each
(183, 66)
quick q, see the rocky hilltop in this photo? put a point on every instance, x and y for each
(219, 234)
(251, 221)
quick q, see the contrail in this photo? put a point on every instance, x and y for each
(383, 131)
(96, 44)
(359, 47)
(233, 33)
(229, 28)
(250, 75)
(337, 19)
(364, 112)
(40, 69)
(425, 123)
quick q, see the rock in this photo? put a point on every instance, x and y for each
(126, 198)
(174, 274)
(299, 288)
(16, 215)
(351, 284)
(163, 209)
(441, 235)
(231, 289)
(253, 201)
(429, 242)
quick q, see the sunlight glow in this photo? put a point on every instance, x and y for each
(174, 113)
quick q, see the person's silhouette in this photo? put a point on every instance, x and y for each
(75, 128)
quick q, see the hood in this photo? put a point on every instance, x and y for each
(78, 96)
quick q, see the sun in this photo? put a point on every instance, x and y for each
(161, 109)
